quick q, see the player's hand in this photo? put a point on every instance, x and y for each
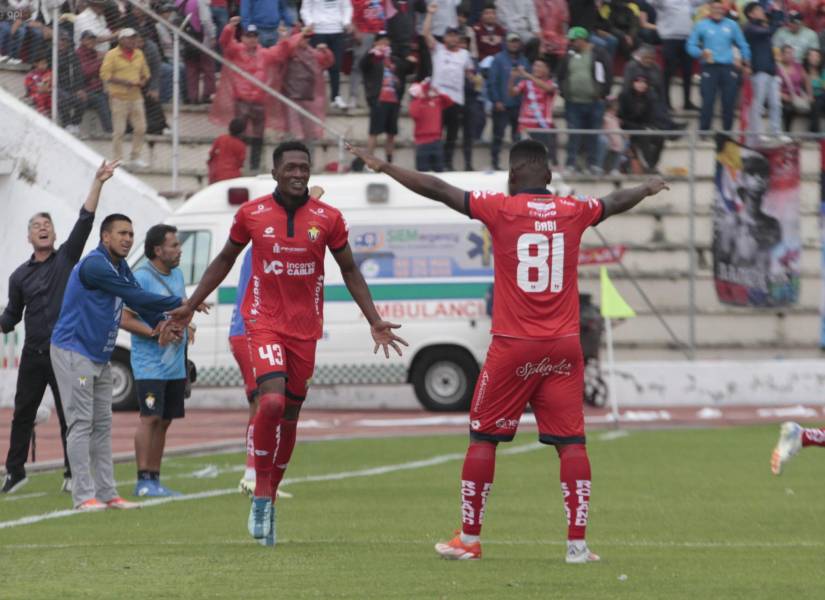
(203, 307)
(191, 331)
(316, 191)
(384, 337)
(235, 20)
(169, 333)
(182, 314)
(106, 170)
(373, 162)
(656, 185)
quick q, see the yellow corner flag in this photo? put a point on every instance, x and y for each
(613, 305)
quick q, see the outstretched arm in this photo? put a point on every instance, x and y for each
(381, 330)
(425, 185)
(623, 200)
(215, 273)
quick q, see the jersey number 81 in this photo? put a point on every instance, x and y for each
(549, 273)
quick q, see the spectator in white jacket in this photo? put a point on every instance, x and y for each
(674, 21)
(519, 16)
(92, 19)
(330, 20)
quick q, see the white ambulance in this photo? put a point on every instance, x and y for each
(429, 268)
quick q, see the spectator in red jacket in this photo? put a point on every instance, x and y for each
(237, 97)
(90, 61)
(39, 85)
(368, 19)
(228, 153)
(425, 110)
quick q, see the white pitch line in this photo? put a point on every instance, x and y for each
(371, 472)
(25, 496)
(705, 545)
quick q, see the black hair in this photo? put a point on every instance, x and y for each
(757, 164)
(806, 64)
(106, 225)
(489, 6)
(546, 63)
(155, 237)
(528, 151)
(749, 8)
(292, 145)
(236, 127)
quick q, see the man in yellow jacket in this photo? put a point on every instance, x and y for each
(124, 72)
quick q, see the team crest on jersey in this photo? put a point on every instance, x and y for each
(313, 232)
(150, 400)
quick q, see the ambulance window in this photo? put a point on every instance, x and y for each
(195, 247)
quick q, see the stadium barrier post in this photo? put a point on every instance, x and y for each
(176, 102)
(692, 246)
(55, 66)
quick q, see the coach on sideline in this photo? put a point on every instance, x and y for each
(37, 286)
(82, 344)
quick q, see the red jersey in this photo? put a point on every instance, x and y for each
(285, 293)
(536, 238)
(489, 40)
(536, 106)
(369, 16)
(426, 115)
(226, 158)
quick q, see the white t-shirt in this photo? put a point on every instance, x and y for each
(449, 67)
(89, 20)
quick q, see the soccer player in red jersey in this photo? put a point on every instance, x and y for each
(283, 310)
(792, 438)
(535, 356)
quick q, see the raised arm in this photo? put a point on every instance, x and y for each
(426, 185)
(623, 200)
(427, 29)
(381, 330)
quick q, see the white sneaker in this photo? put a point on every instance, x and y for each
(67, 485)
(578, 553)
(73, 129)
(138, 164)
(339, 103)
(790, 442)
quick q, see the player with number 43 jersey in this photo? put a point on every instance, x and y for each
(283, 311)
(535, 356)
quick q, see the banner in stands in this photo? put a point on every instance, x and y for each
(756, 231)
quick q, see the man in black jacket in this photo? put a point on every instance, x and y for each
(759, 35)
(37, 286)
(585, 76)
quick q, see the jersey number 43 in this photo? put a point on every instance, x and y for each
(540, 262)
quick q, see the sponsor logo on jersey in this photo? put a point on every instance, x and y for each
(277, 249)
(475, 424)
(293, 269)
(545, 225)
(256, 295)
(511, 424)
(313, 232)
(544, 368)
(542, 210)
(319, 212)
(319, 287)
(269, 232)
(261, 208)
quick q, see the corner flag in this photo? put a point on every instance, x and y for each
(613, 305)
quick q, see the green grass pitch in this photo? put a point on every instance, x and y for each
(675, 514)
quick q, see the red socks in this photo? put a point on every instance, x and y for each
(287, 434)
(250, 444)
(476, 482)
(575, 486)
(265, 428)
(813, 437)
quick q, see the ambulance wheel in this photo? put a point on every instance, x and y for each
(444, 378)
(124, 396)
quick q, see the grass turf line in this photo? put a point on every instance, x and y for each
(682, 514)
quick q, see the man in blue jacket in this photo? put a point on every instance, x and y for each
(712, 41)
(266, 15)
(505, 107)
(81, 346)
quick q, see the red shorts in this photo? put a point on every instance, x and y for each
(546, 374)
(240, 350)
(276, 355)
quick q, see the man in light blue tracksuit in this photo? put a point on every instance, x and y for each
(712, 41)
(81, 346)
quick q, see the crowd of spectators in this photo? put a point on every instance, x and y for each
(506, 62)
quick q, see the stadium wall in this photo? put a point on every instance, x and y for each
(43, 168)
